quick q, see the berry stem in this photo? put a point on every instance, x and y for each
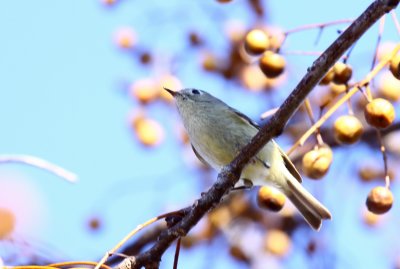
(384, 157)
(368, 94)
(378, 41)
(396, 22)
(310, 114)
(349, 106)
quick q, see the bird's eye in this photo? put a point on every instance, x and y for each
(195, 91)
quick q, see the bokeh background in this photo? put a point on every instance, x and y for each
(68, 73)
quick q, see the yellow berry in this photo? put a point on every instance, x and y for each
(277, 242)
(209, 62)
(272, 64)
(380, 200)
(237, 253)
(328, 77)
(395, 66)
(7, 223)
(145, 90)
(342, 73)
(379, 113)
(367, 173)
(337, 89)
(125, 38)
(149, 132)
(316, 162)
(270, 198)
(256, 42)
(347, 129)
(220, 217)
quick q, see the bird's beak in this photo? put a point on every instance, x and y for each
(173, 93)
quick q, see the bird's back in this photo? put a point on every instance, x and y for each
(221, 143)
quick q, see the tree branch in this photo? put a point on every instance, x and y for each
(39, 163)
(136, 246)
(229, 175)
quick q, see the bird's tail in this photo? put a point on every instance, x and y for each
(311, 209)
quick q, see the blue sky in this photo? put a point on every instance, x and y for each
(61, 100)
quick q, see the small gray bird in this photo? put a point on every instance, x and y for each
(218, 132)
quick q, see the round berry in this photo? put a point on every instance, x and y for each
(270, 198)
(379, 113)
(347, 129)
(272, 64)
(316, 162)
(256, 42)
(342, 73)
(379, 200)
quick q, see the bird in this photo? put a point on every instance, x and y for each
(218, 132)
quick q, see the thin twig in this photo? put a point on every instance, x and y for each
(396, 21)
(40, 163)
(177, 250)
(384, 157)
(317, 25)
(321, 26)
(347, 56)
(319, 35)
(32, 267)
(77, 263)
(312, 119)
(368, 93)
(378, 40)
(349, 105)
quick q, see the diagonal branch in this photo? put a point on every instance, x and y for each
(229, 175)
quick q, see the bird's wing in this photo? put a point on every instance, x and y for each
(199, 156)
(288, 163)
(245, 118)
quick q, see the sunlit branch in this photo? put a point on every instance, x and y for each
(39, 163)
